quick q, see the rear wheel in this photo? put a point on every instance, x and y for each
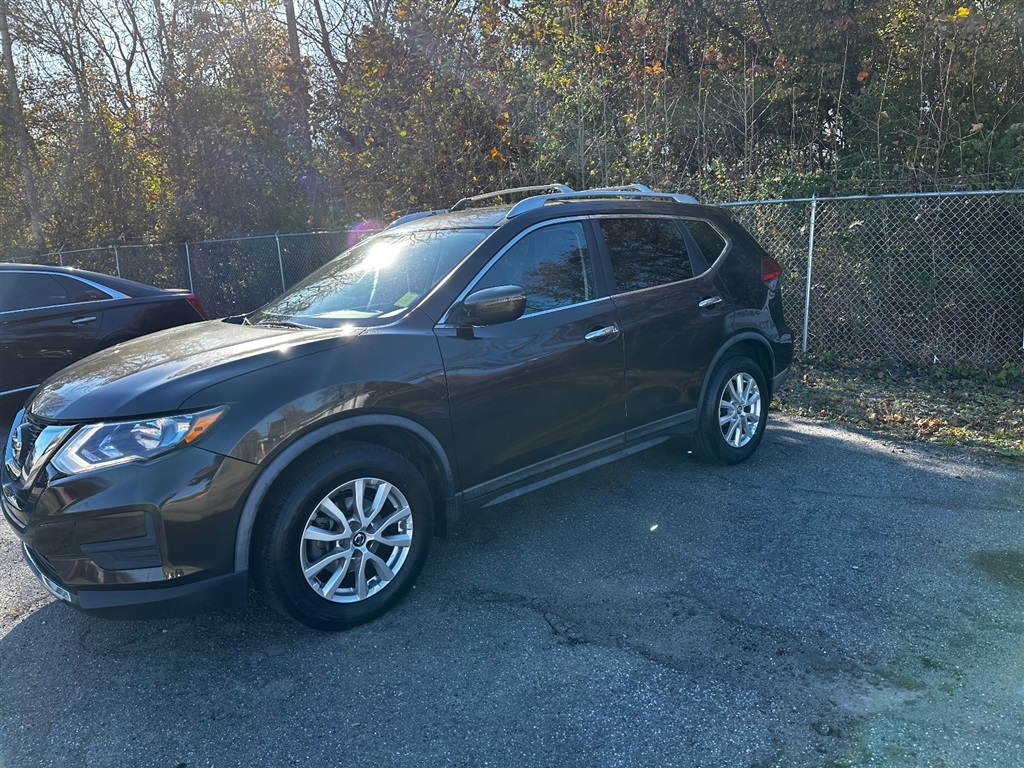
(344, 537)
(733, 413)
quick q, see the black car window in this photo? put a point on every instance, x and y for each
(27, 290)
(645, 252)
(552, 264)
(708, 239)
(79, 291)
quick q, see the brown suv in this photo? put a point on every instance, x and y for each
(455, 360)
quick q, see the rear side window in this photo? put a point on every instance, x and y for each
(26, 290)
(78, 291)
(552, 264)
(708, 239)
(645, 252)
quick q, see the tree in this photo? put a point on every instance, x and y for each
(16, 125)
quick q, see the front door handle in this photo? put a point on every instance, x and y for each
(600, 334)
(80, 320)
(709, 301)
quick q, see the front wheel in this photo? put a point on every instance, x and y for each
(733, 413)
(344, 537)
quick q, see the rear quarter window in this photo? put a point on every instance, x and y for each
(708, 239)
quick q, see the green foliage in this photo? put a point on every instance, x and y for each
(404, 131)
(14, 227)
(226, 135)
(180, 119)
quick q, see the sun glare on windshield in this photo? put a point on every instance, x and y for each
(380, 278)
(381, 255)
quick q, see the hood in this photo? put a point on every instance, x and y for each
(157, 373)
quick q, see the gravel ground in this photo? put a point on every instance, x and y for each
(840, 600)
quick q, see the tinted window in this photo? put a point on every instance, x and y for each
(645, 252)
(711, 243)
(552, 264)
(79, 291)
(23, 290)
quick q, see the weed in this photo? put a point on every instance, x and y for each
(958, 405)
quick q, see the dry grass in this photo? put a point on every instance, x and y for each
(977, 409)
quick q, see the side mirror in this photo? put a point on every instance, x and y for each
(491, 306)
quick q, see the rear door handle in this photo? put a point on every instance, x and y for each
(80, 320)
(607, 332)
(709, 301)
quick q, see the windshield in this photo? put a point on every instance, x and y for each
(379, 278)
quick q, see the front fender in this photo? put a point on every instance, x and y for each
(284, 458)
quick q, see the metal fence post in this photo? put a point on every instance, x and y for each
(188, 265)
(280, 261)
(60, 256)
(810, 265)
(117, 261)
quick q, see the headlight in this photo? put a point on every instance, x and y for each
(105, 445)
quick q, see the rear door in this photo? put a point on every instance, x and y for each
(544, 391)
(672, 312)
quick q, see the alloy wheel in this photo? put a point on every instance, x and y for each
(739, 411)
(356, 540)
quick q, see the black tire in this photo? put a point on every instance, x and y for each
(306, 506)
(737, 440)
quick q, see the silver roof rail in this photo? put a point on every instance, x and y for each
(464, 202)
(414, 216)
(624, 188)
(628, 191)
(561, 193)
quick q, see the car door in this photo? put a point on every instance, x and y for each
(47, 321)
(673, 320)
(544, 391)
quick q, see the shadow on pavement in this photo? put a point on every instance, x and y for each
(839, 599)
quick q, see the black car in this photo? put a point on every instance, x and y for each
(52, 316)
(453, 361)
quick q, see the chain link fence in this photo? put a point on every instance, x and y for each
(229, 276)
(912, 278)
(935, 278)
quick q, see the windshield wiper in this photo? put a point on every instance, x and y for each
(285, 324)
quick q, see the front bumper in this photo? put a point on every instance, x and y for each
(218, 592)
(139, 540)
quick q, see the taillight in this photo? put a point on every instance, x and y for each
(770, 269)
(198, 305)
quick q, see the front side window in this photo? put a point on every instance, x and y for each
(552, 264)
(30, 290)
(379, 278)
(645, 252)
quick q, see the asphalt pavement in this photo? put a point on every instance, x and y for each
(839, 600)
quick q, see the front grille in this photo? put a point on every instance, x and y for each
(10, 502)
(24, 434)
(29, 448)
